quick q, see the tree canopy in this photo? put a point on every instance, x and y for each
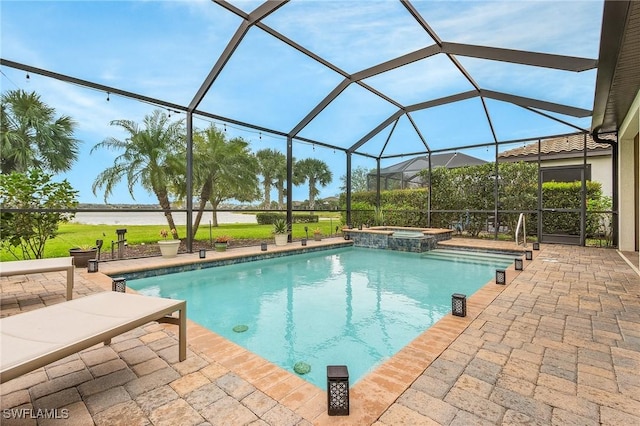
(32, 137)
(222, 170)
(314, 172)
(146, 158)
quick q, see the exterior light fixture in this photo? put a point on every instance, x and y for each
(459, 305)
(518, 263)
(528, 254)
(536, 246)
(337, 390)
(202, 253)
(304, 241)
(263, 247)
(501, 276)
(92, 265)
(119, 284)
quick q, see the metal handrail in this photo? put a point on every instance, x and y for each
(522, 221)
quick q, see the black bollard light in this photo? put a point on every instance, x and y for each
(459, 305)
(337, 390)
(518, 263)
(119, 284)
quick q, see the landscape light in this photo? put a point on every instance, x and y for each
(119, 284)
(337, 390)
(92, 265)
(518, 263)
(459, 305)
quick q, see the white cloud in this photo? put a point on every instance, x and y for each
(560, 27)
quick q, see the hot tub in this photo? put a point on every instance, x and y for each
(416, 240)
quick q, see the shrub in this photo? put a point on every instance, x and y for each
(25, 234)
(269, 218)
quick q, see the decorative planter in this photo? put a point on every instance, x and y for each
(81, 257)
(169, 248)
(281, 239)
(317, 237)
(220, 246)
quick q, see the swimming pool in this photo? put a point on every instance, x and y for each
(351, 306)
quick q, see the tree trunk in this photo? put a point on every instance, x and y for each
(280, 188)
(312, 196)
(214, 209)
(267, 195)
(196, 223)
(205, 193)
(163, 199)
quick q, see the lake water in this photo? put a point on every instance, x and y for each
(153, 218)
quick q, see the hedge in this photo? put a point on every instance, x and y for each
(267, 218)
(568, 195)
(403, 207)
(472, 188)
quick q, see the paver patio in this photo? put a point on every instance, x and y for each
(560, 344)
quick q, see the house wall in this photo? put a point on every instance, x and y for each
(600, 169)
(629, 180)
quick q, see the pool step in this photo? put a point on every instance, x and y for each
(471, 255)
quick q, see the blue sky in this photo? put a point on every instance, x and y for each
(164, 50)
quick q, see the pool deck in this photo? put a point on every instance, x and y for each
(559, 344)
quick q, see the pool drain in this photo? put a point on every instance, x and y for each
(240, 328)
(301, 367)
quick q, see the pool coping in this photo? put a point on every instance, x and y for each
(372, 395)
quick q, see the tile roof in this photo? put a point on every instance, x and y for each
(556, 146)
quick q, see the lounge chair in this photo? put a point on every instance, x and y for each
(36, 338)
(37, 266)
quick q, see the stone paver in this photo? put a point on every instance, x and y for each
(117, 378)
(258, 402)
(177, 409)
(151, 381)
(281, 415)
(559, 344)
(228, 411)
(123, 414)
(235, 386)
(205, 395)
(155, 398)
(103, 400)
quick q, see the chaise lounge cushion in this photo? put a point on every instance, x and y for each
(36, 338)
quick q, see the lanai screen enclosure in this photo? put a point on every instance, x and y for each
(365, 84)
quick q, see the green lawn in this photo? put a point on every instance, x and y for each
(75, 235)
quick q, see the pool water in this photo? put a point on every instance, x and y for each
(351, 306)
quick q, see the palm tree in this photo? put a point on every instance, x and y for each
(270, 163)
(222, 170)
(146, 158)
(316, 172)
(31, 136)
(280, 175)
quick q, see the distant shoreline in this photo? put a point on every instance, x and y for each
(155, 218)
